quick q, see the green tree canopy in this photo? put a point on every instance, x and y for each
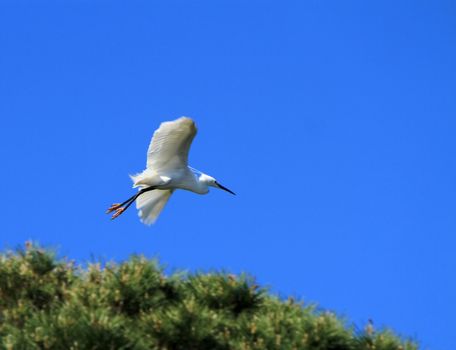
(47, 303)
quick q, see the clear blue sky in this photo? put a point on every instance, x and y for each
(333, 121)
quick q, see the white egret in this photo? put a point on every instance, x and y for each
(167, 170)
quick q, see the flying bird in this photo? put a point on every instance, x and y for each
(167, 170)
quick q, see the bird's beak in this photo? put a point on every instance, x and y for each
(224, 188)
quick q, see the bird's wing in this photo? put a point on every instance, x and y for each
(150, 204)
(170, 144)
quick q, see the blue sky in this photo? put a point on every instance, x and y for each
(334, 122)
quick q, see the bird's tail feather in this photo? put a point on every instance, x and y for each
(151, 203)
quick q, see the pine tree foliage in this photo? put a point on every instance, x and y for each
(46, 303)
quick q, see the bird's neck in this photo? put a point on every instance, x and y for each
(202, 184)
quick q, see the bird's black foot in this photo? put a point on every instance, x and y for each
(119, 208)
(113, 207)
(118, 212)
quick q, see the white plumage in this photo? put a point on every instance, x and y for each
(170, 144)
(166, 170)
(150, 205)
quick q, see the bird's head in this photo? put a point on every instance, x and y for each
(210, 181)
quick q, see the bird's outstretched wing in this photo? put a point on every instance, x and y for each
(150, 204)
(170, 144)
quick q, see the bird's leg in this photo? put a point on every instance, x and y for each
(119, 208)
(130, 200)
(116, 206)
